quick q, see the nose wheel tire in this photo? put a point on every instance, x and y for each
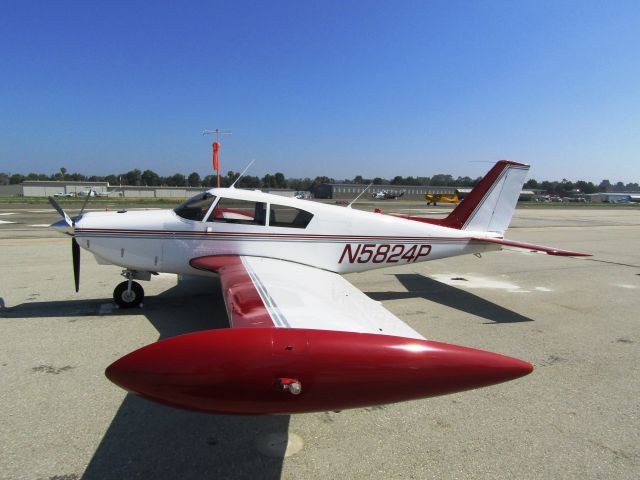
(126, 298)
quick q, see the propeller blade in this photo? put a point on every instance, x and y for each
(60, 211)
(75, 253)
(86, 200)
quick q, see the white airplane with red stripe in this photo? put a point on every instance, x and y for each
(302, 338)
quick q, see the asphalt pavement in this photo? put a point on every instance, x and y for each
(575, 417)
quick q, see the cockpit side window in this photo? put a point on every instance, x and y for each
(283, 216)
(196, 207)
(229, 210)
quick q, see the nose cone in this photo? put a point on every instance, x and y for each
(216, 371)
(463, 368)
(62, 226)
(239, 371)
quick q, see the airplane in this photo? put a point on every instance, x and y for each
(621, 197)
(441, 197)
(94, 193)
(387, 195)
(316, 344)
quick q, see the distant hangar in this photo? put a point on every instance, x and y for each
(53, 188)
(336, 191)
(342, 191)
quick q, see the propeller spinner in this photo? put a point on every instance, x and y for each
(67, 225)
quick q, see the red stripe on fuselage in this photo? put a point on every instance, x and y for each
(244, 304)
(347, 238)
(197, 235)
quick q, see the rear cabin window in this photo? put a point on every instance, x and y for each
(229, 210)
(196, 207)
(281, 216)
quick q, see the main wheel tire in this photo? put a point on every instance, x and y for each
(126, 299)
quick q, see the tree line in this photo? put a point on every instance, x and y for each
(278, 180)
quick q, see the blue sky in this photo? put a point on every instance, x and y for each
(335, 88)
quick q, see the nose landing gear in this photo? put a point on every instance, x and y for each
(129, 294)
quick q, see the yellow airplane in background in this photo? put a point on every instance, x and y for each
(441, 197)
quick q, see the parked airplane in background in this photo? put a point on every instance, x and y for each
(95, 193)
(89, 192)
(620, 197)
(314, 344)
(434, 198)
(387, 195)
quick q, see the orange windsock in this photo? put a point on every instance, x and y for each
(216, 147)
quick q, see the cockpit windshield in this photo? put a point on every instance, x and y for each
(196, 207)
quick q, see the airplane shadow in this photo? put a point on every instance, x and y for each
(147, 440)
(419, 286)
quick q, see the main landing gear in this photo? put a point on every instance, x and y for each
(129, 294)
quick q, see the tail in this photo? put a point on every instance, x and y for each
(490, 205)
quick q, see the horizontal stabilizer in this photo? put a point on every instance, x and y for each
(530, 246)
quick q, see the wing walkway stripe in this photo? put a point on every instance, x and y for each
(272, 307)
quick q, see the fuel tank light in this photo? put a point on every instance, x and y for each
(291, 385)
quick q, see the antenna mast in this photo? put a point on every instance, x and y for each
(216, 146)
(361, 193)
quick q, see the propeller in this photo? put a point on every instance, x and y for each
(86, 200)
(64, 215)
(75, 255)
(68, 226)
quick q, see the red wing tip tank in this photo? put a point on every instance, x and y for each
(281, 371)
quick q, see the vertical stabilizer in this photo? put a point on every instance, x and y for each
(490, 205)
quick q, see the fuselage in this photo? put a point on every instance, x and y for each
(253, 223)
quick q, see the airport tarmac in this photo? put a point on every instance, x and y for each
(577, 416)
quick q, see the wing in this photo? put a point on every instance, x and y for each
(265, 292)
(530, 246)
